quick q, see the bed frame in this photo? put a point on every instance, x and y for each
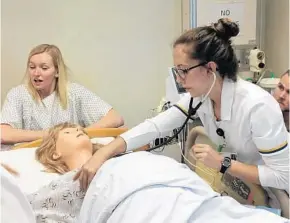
(92, 132)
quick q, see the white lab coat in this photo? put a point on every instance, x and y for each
(15, 207)
(251, 119)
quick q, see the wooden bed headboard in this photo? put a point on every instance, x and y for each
(93, 133)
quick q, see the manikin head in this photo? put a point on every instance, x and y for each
(66, 147)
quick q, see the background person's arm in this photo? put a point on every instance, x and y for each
(12, 120)
(93, 111)
(111, 120)
(10, 135)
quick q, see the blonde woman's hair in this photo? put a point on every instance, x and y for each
(58, 62)
(44, 154)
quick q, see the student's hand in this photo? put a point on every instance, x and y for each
(208, 156)
(86, 174)
(88, 171)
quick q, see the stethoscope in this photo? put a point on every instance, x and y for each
(190, 113)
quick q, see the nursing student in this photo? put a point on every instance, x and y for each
(48, 98)
(251, 119)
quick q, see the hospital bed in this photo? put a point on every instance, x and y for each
(257, 196)
(32, 175)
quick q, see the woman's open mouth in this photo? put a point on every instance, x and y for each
(38, 81)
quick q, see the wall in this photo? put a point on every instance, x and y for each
(121, 50)
(118, 49)
(277, 36)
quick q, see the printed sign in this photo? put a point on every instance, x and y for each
(233, 10)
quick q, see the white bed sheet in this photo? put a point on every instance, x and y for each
(147, 188)
(15, 207)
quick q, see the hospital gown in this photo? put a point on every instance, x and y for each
(21, 111)
(60, 201)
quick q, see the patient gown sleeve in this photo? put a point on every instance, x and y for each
(91, 107)
(271, 138)
(12, 111)
(159, 126)
(60, 201)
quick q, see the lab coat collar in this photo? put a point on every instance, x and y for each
(227, 99)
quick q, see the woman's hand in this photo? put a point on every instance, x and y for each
(208, 156)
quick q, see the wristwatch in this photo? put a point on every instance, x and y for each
(226, 163)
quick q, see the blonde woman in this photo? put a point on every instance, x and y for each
(48, 98)
(137, 187)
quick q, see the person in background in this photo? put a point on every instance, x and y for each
(48, 98)
(281, 94)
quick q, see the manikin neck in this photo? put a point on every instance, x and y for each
(78, 159)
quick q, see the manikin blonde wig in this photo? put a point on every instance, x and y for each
(44, 154)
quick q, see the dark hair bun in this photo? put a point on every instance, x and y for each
(225, 29)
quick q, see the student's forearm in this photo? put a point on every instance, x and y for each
(245, 172)
(10, 135)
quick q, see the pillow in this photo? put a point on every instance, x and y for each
(31, 173)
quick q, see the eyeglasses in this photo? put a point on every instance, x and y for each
(183, 72)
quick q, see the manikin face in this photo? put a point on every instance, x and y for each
(42, 72)
(72, 143)
(197, 80)
(281, 93)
